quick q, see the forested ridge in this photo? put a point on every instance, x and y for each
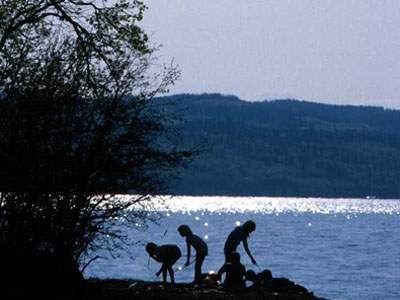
(288, 148)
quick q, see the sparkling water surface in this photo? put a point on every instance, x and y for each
(338, 248)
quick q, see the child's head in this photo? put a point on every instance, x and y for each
(151, 248)
(249, 226)
(251, 275)
(234, 257)
(184, 230)
(266, 274)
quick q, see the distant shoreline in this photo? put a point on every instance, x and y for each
(286, 148)
(279, 197)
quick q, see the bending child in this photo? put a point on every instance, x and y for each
(199, 246)
(167, 255)
(238, 235)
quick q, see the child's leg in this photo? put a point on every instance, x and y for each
(197, 268)
(164, 273)
(171, 274)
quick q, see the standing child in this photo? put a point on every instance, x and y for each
(199, 246)
(167, 255)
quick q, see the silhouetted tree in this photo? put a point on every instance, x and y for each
(78, 126)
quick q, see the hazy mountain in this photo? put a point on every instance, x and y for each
(288, 148)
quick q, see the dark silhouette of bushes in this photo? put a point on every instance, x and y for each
(77, 128)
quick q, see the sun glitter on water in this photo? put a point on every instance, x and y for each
(278, 206)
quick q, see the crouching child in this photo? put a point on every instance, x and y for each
(234, 273)
(262, 280)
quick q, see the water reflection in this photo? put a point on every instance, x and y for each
(268, 205)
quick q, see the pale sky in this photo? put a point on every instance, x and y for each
(332, 51)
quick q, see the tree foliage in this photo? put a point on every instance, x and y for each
(78, 126)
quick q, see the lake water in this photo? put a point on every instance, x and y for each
(338, 248)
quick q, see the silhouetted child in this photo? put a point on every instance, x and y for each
(234, 273)
(199, 246)
(240, 234)
(167, 255)
(261, 280)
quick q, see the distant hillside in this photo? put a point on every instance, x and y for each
(288, 148)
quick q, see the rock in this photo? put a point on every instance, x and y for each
(281, 288)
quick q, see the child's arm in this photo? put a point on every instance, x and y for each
(246, 248)
(155, 257)
(188, 253)
(221, 271)
(161, 269)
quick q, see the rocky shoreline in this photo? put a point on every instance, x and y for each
(281, 288)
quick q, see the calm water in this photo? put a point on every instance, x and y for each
(338, 248)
